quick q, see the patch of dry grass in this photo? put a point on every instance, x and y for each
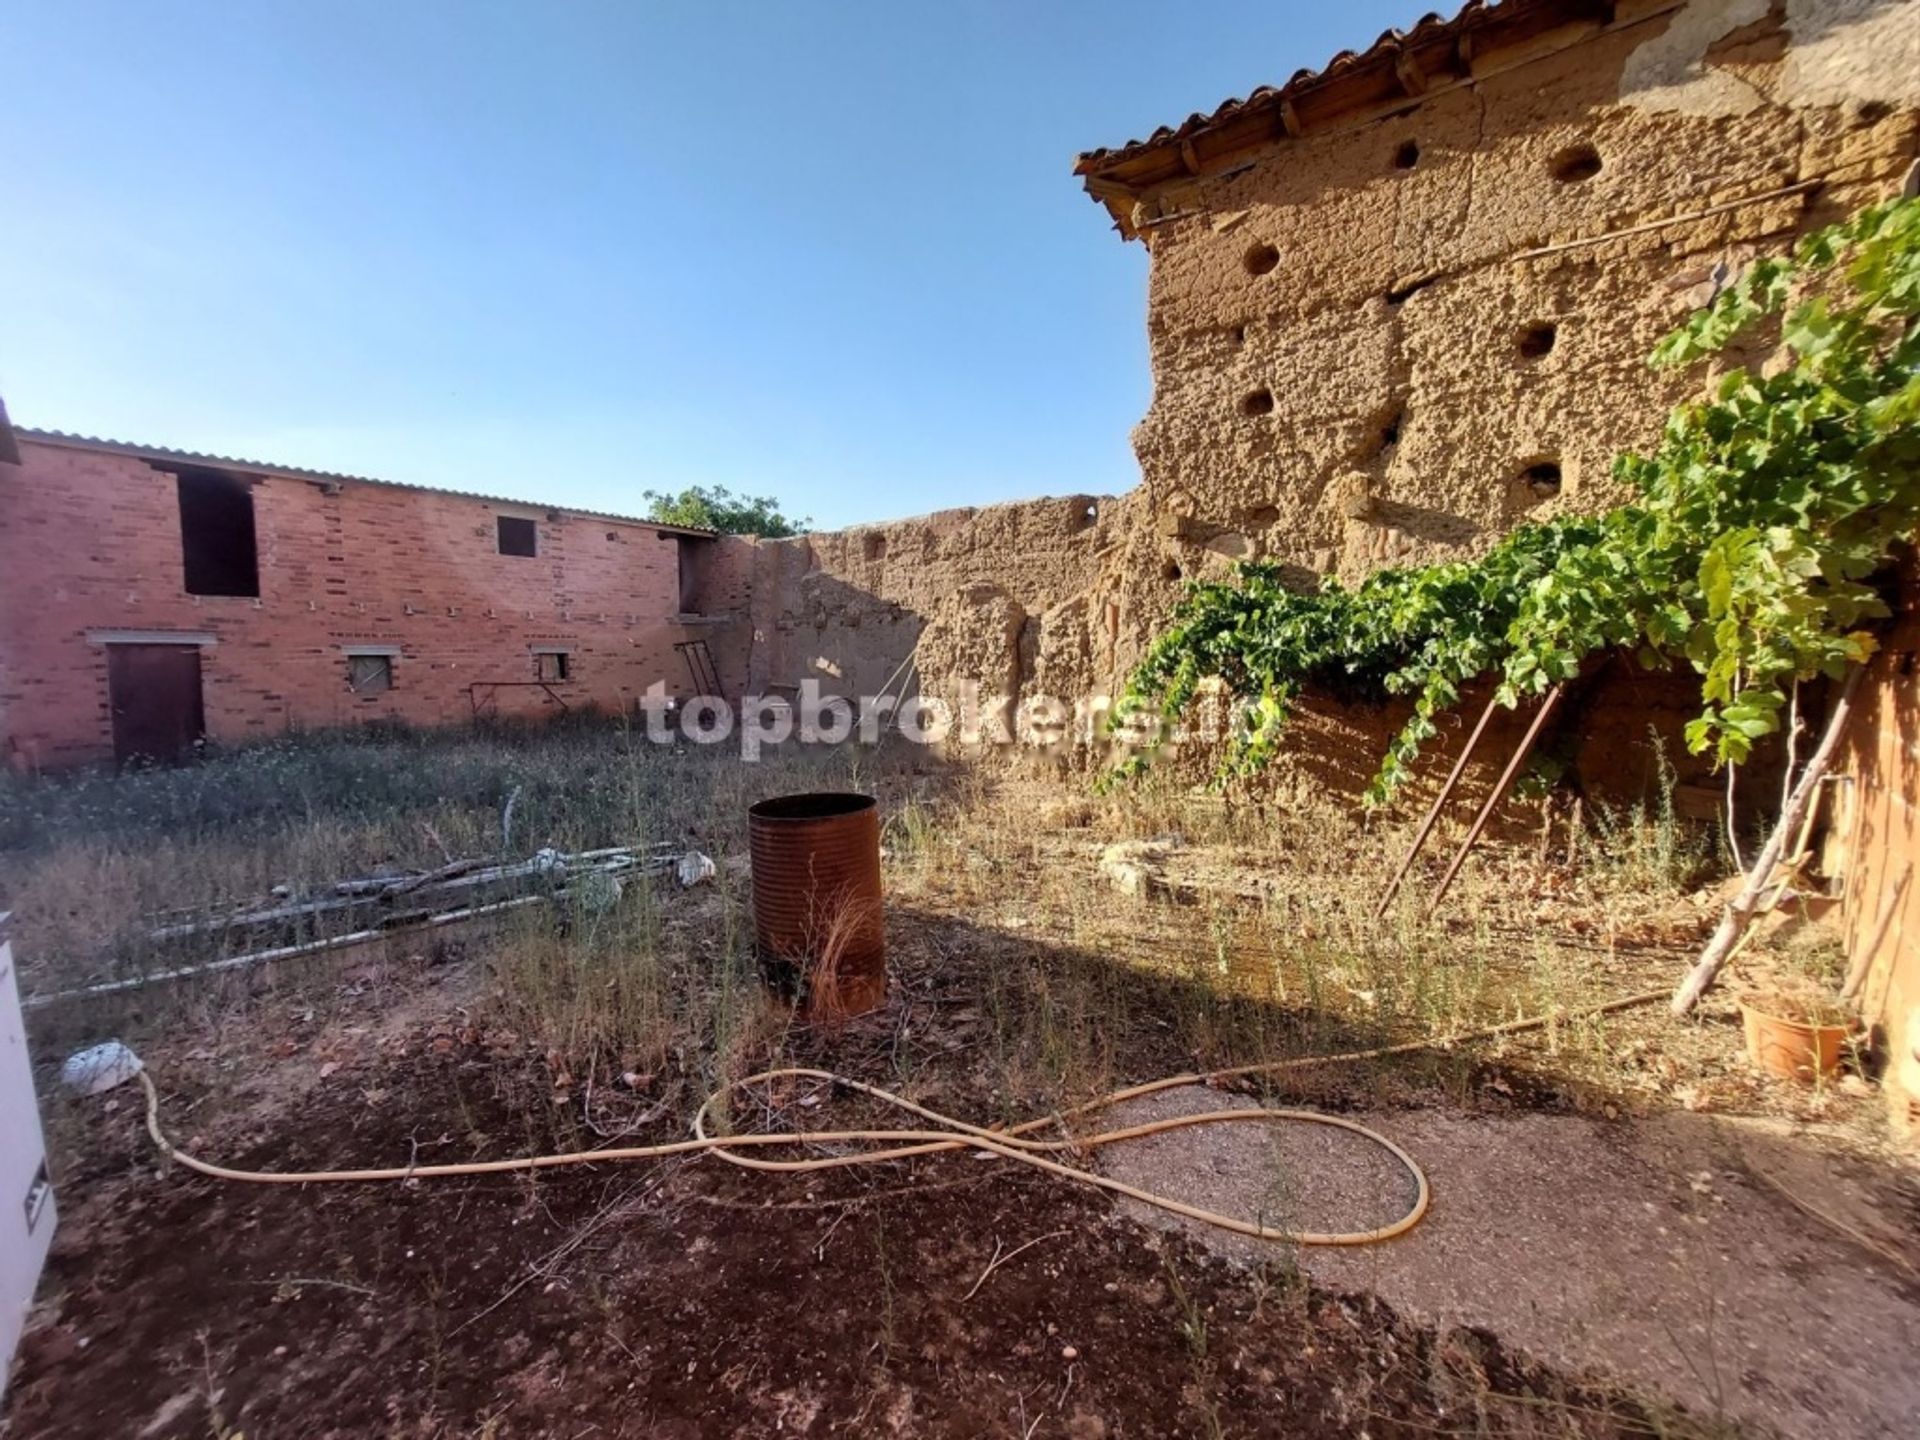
(1261, 943)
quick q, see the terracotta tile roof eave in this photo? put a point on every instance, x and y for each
(166, 455)
(1400, 63)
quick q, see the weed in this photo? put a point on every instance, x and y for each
(1191, 1318)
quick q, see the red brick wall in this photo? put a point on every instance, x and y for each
(91, 541)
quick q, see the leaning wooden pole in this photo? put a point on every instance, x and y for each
(1497, 794)
(1433, 812)
(1741, 909)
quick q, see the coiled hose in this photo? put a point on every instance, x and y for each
(953, 1134)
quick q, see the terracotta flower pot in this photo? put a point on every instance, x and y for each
(1793, 1049)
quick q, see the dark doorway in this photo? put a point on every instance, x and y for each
(154, 692)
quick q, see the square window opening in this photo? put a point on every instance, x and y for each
(552, 665)
(217, 545)
(369, 674)
(518, 536)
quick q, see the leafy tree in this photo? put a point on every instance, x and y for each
(718, 508)
(1765, 511)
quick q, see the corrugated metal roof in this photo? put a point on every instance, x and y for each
(166, 455)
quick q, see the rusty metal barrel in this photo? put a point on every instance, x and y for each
(817, 922)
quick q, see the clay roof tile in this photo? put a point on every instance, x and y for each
(1426, 31)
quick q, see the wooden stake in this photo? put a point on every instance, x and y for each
(1433, 813)
(1497, 794)
(1742, 908)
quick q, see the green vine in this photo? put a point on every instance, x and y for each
(1764, 512)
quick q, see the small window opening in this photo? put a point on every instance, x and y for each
(369, 674)
(1537, 339)
(1261, 259)
(551, 665)
(1171, 570)
(1407, 156)
(216, 534)
(1390, 433)
(1263, 516)
(518, 535)
(1090, 515)
(690, 553)
(874, 546)
(1260, 402)
(1576, 163)
(1238, 335)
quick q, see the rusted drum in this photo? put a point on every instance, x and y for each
(817, 922)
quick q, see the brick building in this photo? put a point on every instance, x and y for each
(149, 597)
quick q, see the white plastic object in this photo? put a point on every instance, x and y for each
(99, 1068)
(695, 869)
(26, 1193)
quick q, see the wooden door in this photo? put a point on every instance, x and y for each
(154, 691)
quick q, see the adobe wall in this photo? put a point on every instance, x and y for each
(1874, 844)
(966, 593)
(1393, 329)
(91, 542)
(1348, 329)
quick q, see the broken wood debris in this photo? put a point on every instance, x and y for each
(369, 906)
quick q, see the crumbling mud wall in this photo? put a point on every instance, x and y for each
(997, 595)
(1386, 332)
(1392, 343)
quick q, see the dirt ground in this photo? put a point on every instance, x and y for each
(1662, 1251)
(1603, 1258)
(682, 1299)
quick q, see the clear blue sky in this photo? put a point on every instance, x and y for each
(574, 251)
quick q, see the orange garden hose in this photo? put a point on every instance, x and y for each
(953, 1134)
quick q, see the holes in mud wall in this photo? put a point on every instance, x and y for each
(1237, 336)
(1263, 516)
(873, 546)
(1406, 155)
(1538, 481)
(1400, 294)
(1260, 402)
(1575, 163)
(1262, 259)
(1171, 571)
(1390, 432)
(1537, 339)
